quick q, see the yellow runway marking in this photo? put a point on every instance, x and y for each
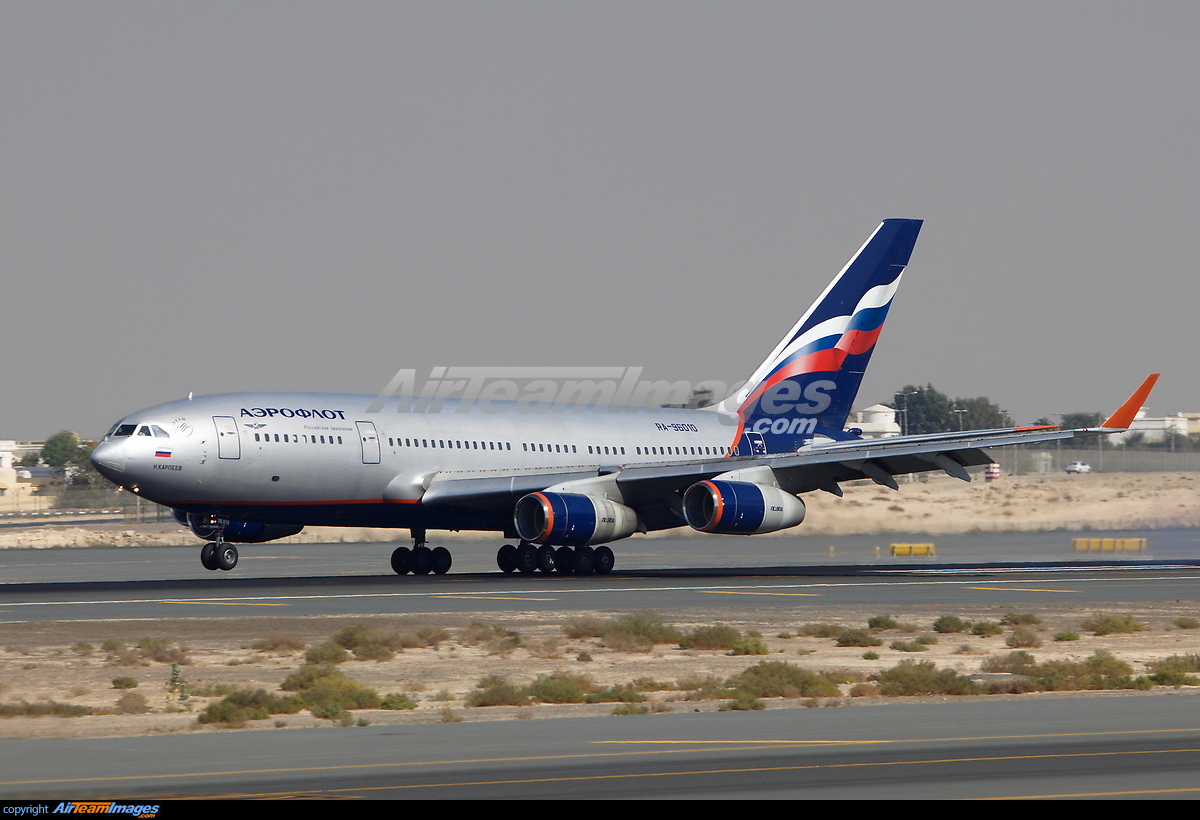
(516, 596)
(1023, 589)
(780, 594)
(215, 603)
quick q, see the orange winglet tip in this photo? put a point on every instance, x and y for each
(1121, 419)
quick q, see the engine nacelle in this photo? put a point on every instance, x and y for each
(740, 508)
(237, 532)
(572, 519)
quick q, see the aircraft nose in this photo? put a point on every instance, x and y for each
(109, 460)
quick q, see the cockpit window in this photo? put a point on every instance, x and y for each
(124, 430)
(159, 432)
(144, 431)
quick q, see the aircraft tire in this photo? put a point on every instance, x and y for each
(506, 558)
(545, 559)
(603, 560)
(402, 560)
(564, 560)
(422, 560)
(585, 558)
(226, 557)
(442, 559)
(527, 559)
(208, 556)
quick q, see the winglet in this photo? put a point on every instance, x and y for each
(1123, 417)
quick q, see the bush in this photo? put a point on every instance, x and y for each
(882, 622)
(751, 644)
(639, 630)
(776, 679)
(908, 646)
(858, 637)
(495, 690)
(561, 687)
(326, 653)
(247, 704)
(911, 677)
(742, 702)
(1110, 624)
(124, 683)
(133, 703)
(1015, 619)
(163, 651)
(717, 636)
(986, 628)
(1066, 635)
(1025, 638)
(821, 631)
(1186, 623)
(397, 700)
(279, 643)
(949, 624)
(1174, 671)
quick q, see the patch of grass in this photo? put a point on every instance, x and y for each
(279, 643)
(642, 629)
(631, 709)
(397, 700)
(133, 703)
(1100, 671)
(911, 677)
(879, 622)
(1023, 638)
(495, 690)
(83, 648)
(821, 631)
(776, 679)
(163, 650)
(44, 709)
(1112, 624)
(742, 701)
(717, 636)
(326, 653)
(1176, 670)
(858, 637)
(246, 704)
(986, 629)
(908, 646)
(1186, 623)
(112, 645)
(949, 624)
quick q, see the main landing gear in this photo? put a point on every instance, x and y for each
(219, 554)
(421, 560)
(529, 558)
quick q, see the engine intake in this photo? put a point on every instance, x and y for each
(572, 519)
(740, 508)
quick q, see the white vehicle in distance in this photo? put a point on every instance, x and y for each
(1078, 467)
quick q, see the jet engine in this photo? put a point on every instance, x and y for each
(740, 508)
(237, 532)
(572, 519)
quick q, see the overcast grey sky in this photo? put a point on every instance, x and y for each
(215, 196)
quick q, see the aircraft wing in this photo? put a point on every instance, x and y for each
(655, 489)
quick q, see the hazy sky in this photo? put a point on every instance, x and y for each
(214, 196)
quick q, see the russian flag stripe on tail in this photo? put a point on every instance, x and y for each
(808, 383)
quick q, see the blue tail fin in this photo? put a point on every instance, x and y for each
(808, 383)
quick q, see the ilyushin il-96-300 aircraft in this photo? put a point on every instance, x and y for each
(253, 467)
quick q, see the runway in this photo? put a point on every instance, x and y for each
(1047, 745)
(1129, 746)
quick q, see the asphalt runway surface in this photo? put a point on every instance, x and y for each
(1126, 745)
(1108, 747)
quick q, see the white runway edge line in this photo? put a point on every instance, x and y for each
(517, 595)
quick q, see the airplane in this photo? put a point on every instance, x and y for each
(253, 467)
